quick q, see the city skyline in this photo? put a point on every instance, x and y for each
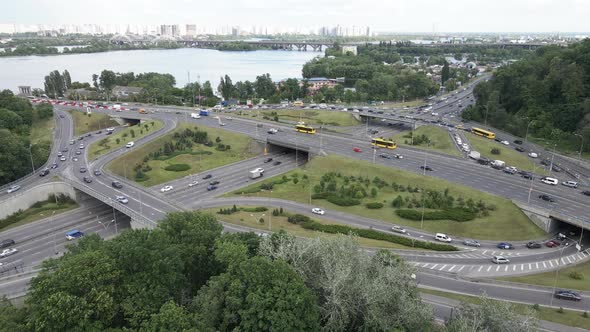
(418, 16)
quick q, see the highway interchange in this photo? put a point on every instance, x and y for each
(439, 270)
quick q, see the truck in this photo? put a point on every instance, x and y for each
(117, 107)
(474, 155)
(498, 164)
(195, 116)
(204, 113)
(256, 173)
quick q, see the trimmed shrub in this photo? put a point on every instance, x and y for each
(576, 275)
(298, 219)
(456, 214)
(255, 209)
(374, 205)
(376, 235)
(335, 199)
(495, 151)
(178, 167)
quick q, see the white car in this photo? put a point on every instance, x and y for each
(505, 142)
(571, 184)
(13, 188)
(192, 184)
(122, 199)
(318, 211)
(166, 189)
(63, 158)
(8, 252)
(399, 229)
(533, 155)
(272, 131)
(500, 260)
(130, 144)
(398, 156)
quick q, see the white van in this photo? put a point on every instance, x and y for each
(551, 181)
(195, 116)
(442, 237)
(130, 145)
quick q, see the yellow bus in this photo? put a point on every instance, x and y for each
(298, 103)
(484, 133)
(304, 129)
(383, 143)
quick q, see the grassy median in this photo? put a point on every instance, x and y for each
(309, 116)
(508, 154)
(441, 141)
(122, 137)
(39, 210)
(492, 227)
(84, 123)
(170, 165)
(567, 317)
(575, 277)
(264, 221)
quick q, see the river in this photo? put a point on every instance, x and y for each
(203, 64)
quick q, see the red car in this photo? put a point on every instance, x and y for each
(552, 244)
(357, 150)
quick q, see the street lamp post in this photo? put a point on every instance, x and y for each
(31, 155)
(581, 146)
(423, 193)
(526, 135)
(552, 157)
(556, 276)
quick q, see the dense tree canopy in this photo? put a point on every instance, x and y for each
(547, 92)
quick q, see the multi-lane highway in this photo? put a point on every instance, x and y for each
(153, 204)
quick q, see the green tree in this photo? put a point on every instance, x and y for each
(171, 317)
(258, 294)
(492, 315)
(12, 319)
(358, 292)
(225, 87)
(107, 81)
(444, 74)
(9, 119)
(67, 79)
(264, 86)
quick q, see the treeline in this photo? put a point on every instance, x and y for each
(548, 92)
(95, 46)
(17, 154)
(188, 276)
(241, 46)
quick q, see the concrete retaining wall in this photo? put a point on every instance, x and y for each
(538, 217)
(24, 199)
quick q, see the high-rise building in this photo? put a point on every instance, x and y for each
(169, 30)
(191, 30)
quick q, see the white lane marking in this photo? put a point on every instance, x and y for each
(452, 268)
(489, 269)
(537, 264)
(544, 265)
(426, 265)
(530, 266)
(442, 267)
(551, 263)
(462, 266)
(434, 266)
(562, 261)
(481, 267)
(506, 268)
(484, 252)
(522, 267)
(498, 268)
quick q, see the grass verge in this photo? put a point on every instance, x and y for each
(84, 123)
(38, 211)
(252, 220)
(564, 279)
(512, 157)
(309, 116)
(199, 158)
(439, 137)
(491, 227)
(128, 134)
(568, 317)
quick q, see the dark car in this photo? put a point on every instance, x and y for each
(268, 160)
(586, 192)
(54, 165)
(545, 162)
(213, 183)
(519, 149)
(208, 176)
(533, 245)
(567, 295)
(517, 141)
(528, 175)
(552, 244)
(82, 169)
(504, 245)
(547, 198)
(64, 150)
(6, 243)
(210, 187)
(117, 184)
(277, 163)
(427, 168)
(384, 155)
(44, 172)
(87, 179)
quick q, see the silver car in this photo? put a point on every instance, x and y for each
(471, 243)
(13, 188)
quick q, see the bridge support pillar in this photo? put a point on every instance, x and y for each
(316, 47)
(138, 225)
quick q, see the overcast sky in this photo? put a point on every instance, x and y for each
(380, 15)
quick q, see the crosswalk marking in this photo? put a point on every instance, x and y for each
(544, 265)
(426, 265)
(530, 266)
(452, 268)
(498, 268)
(551, 263)
(537, 264)
(562, 261)
(489, 267)
(442, 267)
(434, 266)
(462, 266)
